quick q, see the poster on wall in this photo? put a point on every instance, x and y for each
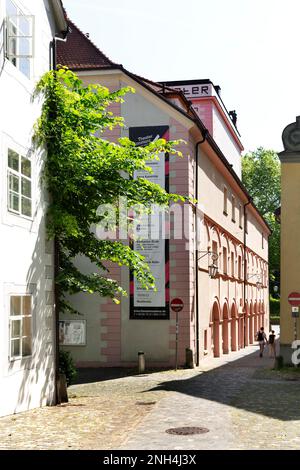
(151, 243)
(72, 332)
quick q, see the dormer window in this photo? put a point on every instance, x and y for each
(19, 29)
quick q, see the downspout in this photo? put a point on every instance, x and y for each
(53, 53)
(56, 272)
(250, 200)
(204, 134)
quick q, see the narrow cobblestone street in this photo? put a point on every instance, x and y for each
(243, 403)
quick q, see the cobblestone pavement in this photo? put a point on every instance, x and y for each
(99, 415)
(242, 403)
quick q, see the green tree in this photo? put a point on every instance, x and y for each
(83, 171)
(261, 176)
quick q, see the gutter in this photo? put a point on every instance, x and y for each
(53, 55)
(60, 18)
(250, 201)
(204, 134)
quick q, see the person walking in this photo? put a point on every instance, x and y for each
(262, 340)
(272, 344)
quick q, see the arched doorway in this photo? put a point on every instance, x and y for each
(241, 332)
(233, 327)
(225, 329)
(246, 320)
(263, 314)
(215, 325)
(255, 319)
(251, 325)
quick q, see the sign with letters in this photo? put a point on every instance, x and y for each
(72, 332)
(196, 90)
(152, 244)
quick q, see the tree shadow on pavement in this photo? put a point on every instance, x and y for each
(89, 375)
(235, 384)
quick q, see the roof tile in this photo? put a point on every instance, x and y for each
(79, 53)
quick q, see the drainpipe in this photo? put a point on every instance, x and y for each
(56, 272)
(53, 55)
(204, 134)
(245, 264)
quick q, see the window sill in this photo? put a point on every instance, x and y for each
(22, 216)
(19, 365)
(23, 358)
(225, 213)
(12, 219)
(19, 76)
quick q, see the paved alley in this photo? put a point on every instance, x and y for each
(240, 400)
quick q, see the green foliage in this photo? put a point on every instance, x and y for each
(84, 171)
(274, 307)
(279, 363)
(261, 176)
(67, 367)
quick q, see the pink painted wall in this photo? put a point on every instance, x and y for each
(119, 337)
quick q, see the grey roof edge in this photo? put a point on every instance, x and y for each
(60, 18)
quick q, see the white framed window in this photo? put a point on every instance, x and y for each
(225, 196)
(20, 326)
(240, 267)
(232, 264)
(233, 208)
(216, 251)
(224, 260)
(240, 216)
(19, 38)
(19, 184)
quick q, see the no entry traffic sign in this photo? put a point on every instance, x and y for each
(177, 305)
(294, 299)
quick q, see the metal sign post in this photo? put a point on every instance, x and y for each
(176, 352)
(295, 315)
(176, 306)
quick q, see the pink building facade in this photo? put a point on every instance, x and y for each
(220, 314)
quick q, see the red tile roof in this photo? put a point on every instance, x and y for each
(79, 52)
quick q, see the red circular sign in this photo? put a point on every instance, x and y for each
(176, 305)
(294, 299)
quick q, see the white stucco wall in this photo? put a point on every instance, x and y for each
(26, 259)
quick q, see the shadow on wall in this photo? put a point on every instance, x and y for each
(37, 385)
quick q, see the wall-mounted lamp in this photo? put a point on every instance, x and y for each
(212, 267)
(259, 283)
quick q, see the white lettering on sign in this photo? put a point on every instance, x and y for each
(195, 91)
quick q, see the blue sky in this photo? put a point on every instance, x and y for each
(248, 47)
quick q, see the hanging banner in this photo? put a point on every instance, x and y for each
(152, 243)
